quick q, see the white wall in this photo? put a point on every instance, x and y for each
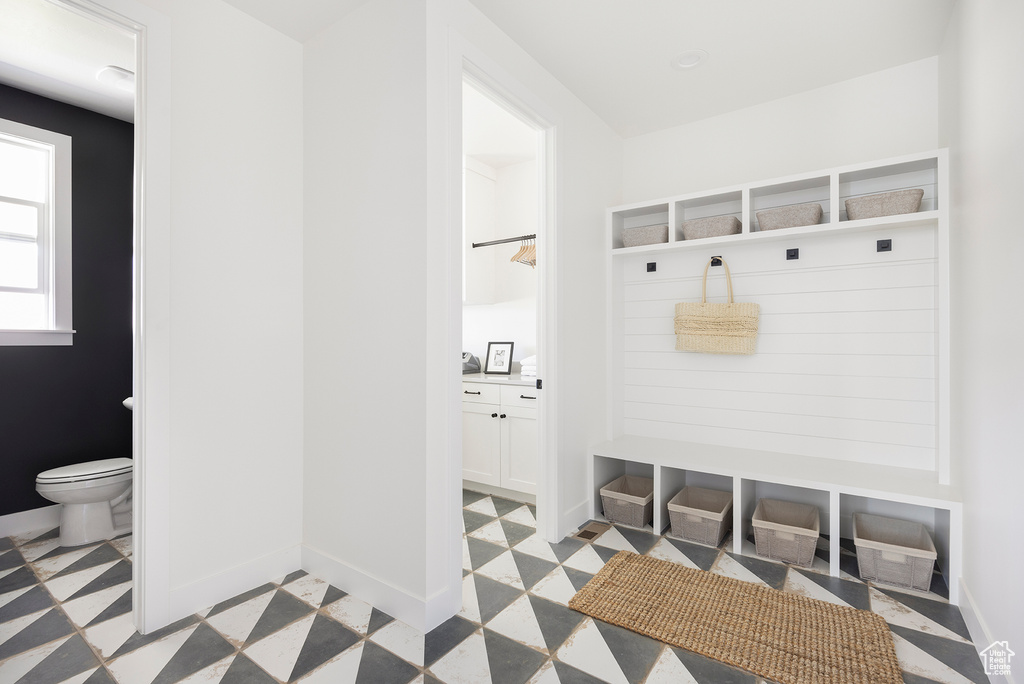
(501, 296)
(516, 204)
(884, 114)
(480, 225)
(365, 319)
(588, 163)
(981, 69)
(513, 321)
(234, 326)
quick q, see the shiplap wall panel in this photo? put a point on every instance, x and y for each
(919, 321)
(857, 365)
(861, 408)
(901, 389)
(846, 355)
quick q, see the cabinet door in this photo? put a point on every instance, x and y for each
(481, 438)
(519, 449)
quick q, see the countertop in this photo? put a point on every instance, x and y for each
(514, 379)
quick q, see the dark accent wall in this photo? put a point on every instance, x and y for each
(62, 405)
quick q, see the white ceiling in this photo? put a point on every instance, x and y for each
(491, 135)
(614, 54)
(54, 52)
(299, 19)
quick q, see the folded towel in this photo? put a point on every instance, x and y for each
(529, 361)
(528, 373)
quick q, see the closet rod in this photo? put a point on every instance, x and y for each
(501, 242)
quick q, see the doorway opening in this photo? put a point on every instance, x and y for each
(507, 239)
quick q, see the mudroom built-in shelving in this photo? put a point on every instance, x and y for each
(846, 402)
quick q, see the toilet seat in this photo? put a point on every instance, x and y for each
(83, 472)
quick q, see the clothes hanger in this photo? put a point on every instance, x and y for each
(517, 255)
(525, 255)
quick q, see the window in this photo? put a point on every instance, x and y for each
(35, 236)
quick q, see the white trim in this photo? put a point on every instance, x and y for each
(412, 610)
(54, 240)
(45, 518)
(151, 367)
(209, 591)
(37, 338)
(495, 82)
(981, 637)
(575, 517)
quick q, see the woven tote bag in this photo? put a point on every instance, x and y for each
(717, 328)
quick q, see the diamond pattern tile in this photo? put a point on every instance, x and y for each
(65, 618)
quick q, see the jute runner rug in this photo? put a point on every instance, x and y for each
(783, 637)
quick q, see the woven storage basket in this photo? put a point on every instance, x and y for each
(892, 551)
(701, 515)
(717, 328)
(786, 531)
(884, 204)
(629, 500)
(644, 235)
(713, 226)
(789, 217)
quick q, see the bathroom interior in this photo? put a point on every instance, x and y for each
(66, 407)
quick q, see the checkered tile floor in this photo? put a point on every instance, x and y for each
(65, 618)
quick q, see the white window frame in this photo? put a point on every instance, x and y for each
(54, 239)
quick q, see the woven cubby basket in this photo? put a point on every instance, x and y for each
(786, 531)
(892, 551)
(713, 226)
(644, 235)
(789, 217)
(629, 500)
(701, 515)
(884, 204)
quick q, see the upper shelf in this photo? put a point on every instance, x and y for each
(830, 188)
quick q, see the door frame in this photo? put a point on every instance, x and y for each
(466, 62)
(150, 302)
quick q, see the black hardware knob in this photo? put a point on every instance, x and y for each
(495, 415)
(502, 415)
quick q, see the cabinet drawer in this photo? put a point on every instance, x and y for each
(519, 396)
(480, 393)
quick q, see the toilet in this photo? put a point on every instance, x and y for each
(96, 499)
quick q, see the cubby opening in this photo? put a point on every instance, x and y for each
(751, 491)
(921, 173)
(637, 217)
(608, 469)
(673, 480)
(723, 204)
(806, 191)
(935, 520)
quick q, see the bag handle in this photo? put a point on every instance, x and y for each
(704, 284)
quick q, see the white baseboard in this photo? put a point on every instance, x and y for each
(980, 634)
(210, 591)
(442, 605)
(574, 517)
(412, 610)
(510, 494)
(37, 519)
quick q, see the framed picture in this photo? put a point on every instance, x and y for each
(499, 358)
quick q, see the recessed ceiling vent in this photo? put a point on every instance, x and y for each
(689, 59)
(117, 77)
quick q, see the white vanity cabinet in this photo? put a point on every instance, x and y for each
(499, 435)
